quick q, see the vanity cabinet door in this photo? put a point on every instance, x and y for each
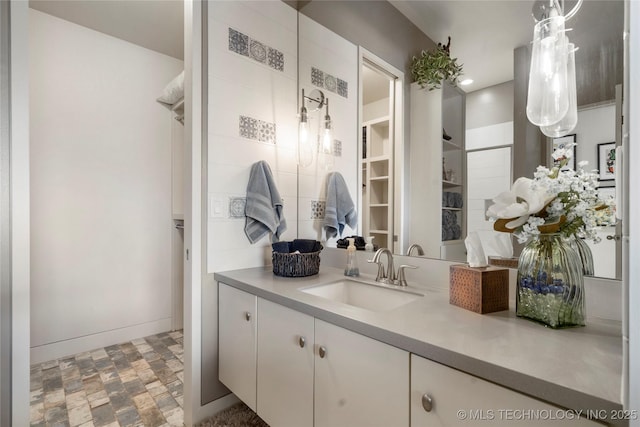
(285, 366)
(359, 382)
(442, 396)
(237, 317)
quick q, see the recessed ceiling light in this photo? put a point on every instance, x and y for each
(466, 82)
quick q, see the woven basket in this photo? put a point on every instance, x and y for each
(296, 265)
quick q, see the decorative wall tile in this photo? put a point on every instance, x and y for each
(331, 83)
(317, 77)
(343, 88)
(237, 206)
(266, 132)
(238, 42)
(276, 59)
(257, 51)
(337, 148)
(317, 209)
(248, 127)
(246, 46)
(258, 130)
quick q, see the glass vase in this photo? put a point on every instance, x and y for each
(585, 255)
(550, 286)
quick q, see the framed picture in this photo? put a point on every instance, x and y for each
(561, 143)
(607, 161)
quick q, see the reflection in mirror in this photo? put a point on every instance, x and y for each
(491, 107)
(376, 159)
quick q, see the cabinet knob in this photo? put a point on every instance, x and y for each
(322, 351)
(247, 316)
(427, 402)
(302, 342)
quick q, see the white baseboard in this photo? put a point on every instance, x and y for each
(56, 350)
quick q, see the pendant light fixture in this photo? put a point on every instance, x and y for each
(551, 94)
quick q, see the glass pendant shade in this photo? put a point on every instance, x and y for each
(569, 121)
(548, 94)
(326, 141)
(305, 150)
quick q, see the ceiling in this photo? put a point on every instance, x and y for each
(154, 24)
(484, 33)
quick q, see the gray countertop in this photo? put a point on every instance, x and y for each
(577, 368)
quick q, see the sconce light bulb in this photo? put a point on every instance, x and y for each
(326, 140)
(304, 132)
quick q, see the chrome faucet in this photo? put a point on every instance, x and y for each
(389, 276)
(416, 247)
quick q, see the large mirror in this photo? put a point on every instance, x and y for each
(485, 38)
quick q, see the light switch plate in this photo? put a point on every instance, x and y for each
(216, 207)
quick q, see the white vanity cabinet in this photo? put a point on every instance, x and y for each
(298, 371)
(285, 366)
(359, 382)
(442, 396)
(237, 316)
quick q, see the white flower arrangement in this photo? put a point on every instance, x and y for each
(556, 200)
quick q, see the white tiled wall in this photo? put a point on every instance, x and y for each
(239, 85)
(488, 174)
(322, 49)
(242, 86)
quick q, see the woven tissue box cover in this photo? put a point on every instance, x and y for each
(479, 289)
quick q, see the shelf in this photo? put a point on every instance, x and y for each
(378, 231)
(379, 205)
(374, 122)
(383, 158)
(450, 146)
(451, 209)
(449, 184)
(379, 178)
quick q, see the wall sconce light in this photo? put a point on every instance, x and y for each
(551, 100)
(327, 139)
(306, 148)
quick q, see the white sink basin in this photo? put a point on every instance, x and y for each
(363, 295)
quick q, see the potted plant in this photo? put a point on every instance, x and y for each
(433, 66)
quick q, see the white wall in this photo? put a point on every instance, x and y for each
(100, 189)
(488, 174)
(238, 85)
(595, 126)
(375, 109)
(323, 49)
(14, 342)
(489, 124)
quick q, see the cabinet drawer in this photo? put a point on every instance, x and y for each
(456, 398)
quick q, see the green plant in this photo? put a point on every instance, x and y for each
(433, 66)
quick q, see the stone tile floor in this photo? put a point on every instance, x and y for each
(138, 383)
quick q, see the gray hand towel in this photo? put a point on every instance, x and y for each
(340, 209)
(264, 205)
